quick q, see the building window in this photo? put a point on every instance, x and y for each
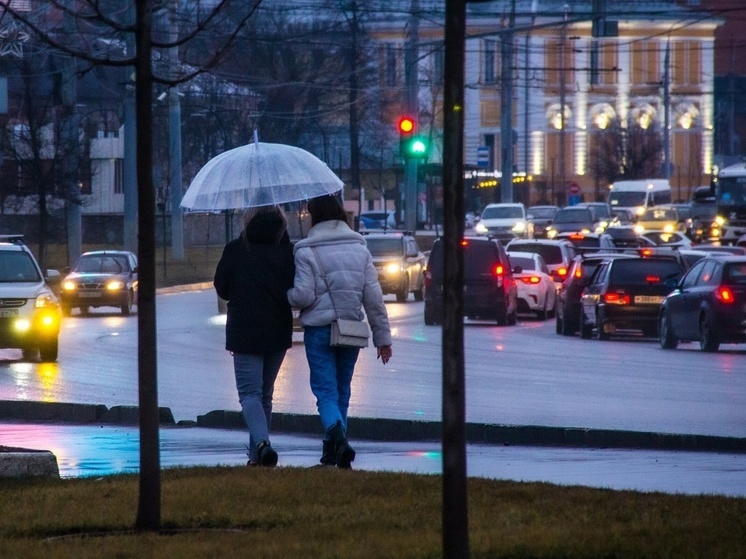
(646, 63)
(489, 63)
(118, 176)
(392, 59)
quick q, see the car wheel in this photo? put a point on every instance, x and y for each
(29, 353)
(126, 307)
(403, 293)
(543, 314)
(419, 294)
(601, 334)
(48, 350)
(708, 338)
(665, 333)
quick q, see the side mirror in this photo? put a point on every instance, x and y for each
(412, 254)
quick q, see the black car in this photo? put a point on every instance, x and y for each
(541, 217)
(572, 219)
(102, 278)
(568, 308)
(490, 292)
(400, 263)
(708, 305)
(626, 293)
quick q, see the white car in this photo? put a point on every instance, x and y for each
(504, 222)
(537, 289)
(668, 238)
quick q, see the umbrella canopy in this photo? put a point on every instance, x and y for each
(259, 174)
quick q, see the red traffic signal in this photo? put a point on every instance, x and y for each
(406, 125)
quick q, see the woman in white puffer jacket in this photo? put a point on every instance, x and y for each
(353, 282)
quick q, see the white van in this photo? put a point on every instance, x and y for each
(637, 195)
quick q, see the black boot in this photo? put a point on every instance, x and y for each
(327, 453)
(343, 452)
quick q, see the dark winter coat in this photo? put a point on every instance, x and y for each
(254, 277)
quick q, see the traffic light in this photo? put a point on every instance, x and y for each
(411, 146)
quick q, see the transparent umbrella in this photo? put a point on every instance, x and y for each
(259, 174)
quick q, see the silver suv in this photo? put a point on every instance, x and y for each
(29, 310)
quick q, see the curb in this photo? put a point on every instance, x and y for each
(385, 430)
(21, 462)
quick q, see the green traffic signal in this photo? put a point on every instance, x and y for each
(416, 147)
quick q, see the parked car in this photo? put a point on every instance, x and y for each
(101, 278)
(572, 219)
(490, 292)
(708, 305)
(541, 217)
(668, 238)
(30, 315)
(626, 293)
(503, 222)
(556, 253)
(568, 309)
(536, 288)
(400, 264)
(588, 241)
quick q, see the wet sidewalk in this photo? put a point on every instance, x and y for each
(100, 450)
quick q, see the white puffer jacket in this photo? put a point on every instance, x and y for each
(350, 274)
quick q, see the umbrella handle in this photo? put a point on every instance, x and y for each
(256, 137)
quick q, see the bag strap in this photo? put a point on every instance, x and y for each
(323, 276)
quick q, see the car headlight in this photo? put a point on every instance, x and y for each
(639, 210)
(668, 228)
(22, 325)
(392, 268)
(45, 300)
(551, 233)
(114, 285)
(639, 229)
(519, 227)
(69, 285)
(480, 228)
(720, 220)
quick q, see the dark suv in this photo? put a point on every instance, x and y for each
(490, 292)
(400, 263)
(627, 293)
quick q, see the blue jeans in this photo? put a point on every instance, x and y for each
(255, 380)
(331, 375)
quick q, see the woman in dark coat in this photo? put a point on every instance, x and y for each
(253, 275)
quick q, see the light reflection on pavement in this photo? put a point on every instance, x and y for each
(99, 450)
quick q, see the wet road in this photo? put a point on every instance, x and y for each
(522, 375)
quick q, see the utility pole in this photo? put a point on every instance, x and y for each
(506, 110)
(563, 38)
(413, 108)
(72, 161)
(174, 143)
(129, 175)
(666, 114)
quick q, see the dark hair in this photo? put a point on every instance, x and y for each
(326, 208)
(252, 213)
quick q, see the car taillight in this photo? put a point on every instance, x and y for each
(613, 298)
(499, 271)
(652, 279)
(562, 273)
(646, 252)
(531, 279)
(724, 294)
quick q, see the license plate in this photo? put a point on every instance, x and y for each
(649, 299)
(5, 313)
(89, 295)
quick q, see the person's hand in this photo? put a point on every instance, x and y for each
(384, 353)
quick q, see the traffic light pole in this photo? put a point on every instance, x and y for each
(410, 194)
(410, 163)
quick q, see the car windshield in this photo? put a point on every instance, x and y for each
(384, 247)
(684, 212)
(523, 262)
(601, 210)
(627, 199)
(17, 266)
(550, 253)
(735, 273)
(101, 265)
(541, 213)
(502, 212)
(573, 216)
(644, 271)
